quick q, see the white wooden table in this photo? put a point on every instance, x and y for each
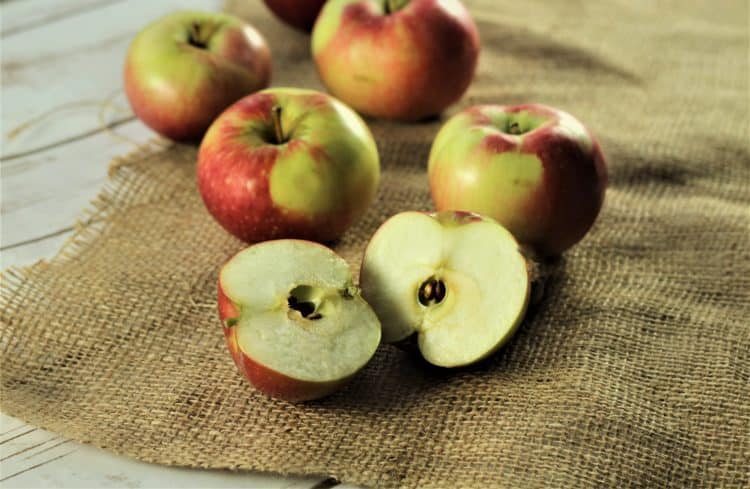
(64, 117)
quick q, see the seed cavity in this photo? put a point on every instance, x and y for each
(305, 308)
(432, 291)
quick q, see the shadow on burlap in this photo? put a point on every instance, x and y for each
(634, 372)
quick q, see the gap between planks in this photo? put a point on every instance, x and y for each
(55, 16)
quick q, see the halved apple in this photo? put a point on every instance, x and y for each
(456, 280)
(294, 322)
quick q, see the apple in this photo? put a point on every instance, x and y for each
(300, 14)
(396, 59)
(535, 169)
(295, 324)
(288, 163)
(184, 69)
(457, 281)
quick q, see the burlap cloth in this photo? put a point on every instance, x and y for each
(634, 372)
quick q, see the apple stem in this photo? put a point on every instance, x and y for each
(394, 5)
(514, 128)
(194, 38)
(540, 269)
(276, 115)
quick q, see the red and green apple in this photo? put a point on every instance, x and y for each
(535, 169)
(184, 69)
(288, 163)
(295, 324)
(300, 14)
(397, 59)
(456, 282)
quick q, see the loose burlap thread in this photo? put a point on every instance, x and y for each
(633, 372)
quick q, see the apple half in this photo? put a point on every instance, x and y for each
(456, 280)
(294, 322)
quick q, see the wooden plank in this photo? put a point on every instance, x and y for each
(59, 82)
(44, 193)
(42, 459)
(31, 252)
(22, 15)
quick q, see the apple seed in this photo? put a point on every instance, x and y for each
(439, 291)
(431, 292)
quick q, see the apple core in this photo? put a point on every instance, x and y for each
(432, 291)
(313, 303)
(299, 300)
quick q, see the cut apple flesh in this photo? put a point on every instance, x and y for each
(461, 285)
(299, 313)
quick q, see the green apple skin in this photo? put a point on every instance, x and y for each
(184, 69)
(313, 185)
(535, 169)
(406, 64)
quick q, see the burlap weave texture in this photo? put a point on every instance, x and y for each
(633, 372)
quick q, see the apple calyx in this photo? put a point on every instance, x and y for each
(392, 6)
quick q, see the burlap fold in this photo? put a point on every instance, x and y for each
(633, 372)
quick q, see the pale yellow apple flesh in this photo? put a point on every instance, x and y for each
(299, 312)
(484, 275)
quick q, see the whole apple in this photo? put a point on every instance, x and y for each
(535, 169)
(300, 14)
(456, 282)
(288, 163)
(295, 325)
(184, 69)
(397, 59)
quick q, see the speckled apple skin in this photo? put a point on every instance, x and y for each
(407, 65)
(178, 89)
(546, 186)
(313, 187)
